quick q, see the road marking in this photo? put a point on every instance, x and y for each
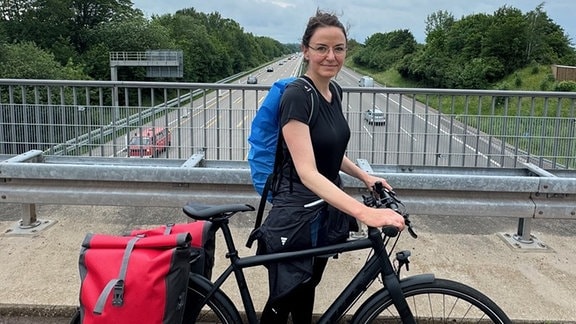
(454, 137)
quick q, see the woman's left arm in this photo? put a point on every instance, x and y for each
(351, 169)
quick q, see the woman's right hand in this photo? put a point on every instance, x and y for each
(380, 217)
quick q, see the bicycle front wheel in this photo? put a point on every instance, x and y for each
(440, 301)
(217, 309)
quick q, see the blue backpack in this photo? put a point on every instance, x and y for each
(264, 154)
(265, 131)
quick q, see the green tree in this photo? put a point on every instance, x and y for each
(215, 47)
(63, 26)
(28, 61)
(85, 31)
(383, 50)
(431, 65)
(437, 26)
(506, 39)
(270, 47)
(3, 34)
(481, 49)
(86, 15)
(11, 12)
(204, 56)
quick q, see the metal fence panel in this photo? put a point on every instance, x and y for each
(428, 127)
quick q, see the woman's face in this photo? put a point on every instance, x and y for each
(326, 52)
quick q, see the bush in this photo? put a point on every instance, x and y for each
(544, 85)
(518, 81)
(566, 86)
(500, 100)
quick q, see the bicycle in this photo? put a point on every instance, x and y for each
(421, 298)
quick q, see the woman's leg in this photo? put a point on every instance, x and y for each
(276, 312)
(299, 302)
(303, 298)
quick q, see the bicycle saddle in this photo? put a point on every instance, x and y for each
(200, 211)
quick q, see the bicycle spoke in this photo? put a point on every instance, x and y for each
(441, 301)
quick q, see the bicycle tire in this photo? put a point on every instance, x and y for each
(76, 317)
(440, 301)
(218, 309)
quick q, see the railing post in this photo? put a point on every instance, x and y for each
(523, 233)
(29, 219)
(523, 240)
(29, 224)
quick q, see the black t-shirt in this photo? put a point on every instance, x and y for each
(329, 130)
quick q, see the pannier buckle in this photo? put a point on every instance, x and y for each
(118, 297)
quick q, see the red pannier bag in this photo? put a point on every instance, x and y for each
(134, 279)
(203, 242)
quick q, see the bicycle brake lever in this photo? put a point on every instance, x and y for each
(409, 226)
(389, 199)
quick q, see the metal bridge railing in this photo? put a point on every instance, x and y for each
(424, 127)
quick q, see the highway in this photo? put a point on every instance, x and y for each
(414, 133)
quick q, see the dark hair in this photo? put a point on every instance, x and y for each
(321, 19)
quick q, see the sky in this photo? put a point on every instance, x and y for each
(285, 20)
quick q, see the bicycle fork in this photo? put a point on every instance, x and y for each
(390, 278)
(379, 263)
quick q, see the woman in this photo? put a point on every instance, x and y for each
(313, 155)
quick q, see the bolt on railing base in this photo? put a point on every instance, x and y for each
(32, 229)
(523, 240)
(29, 224)
(520, 244)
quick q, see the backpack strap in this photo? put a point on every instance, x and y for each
(116, 284)
(338, 91)
(314, 105)
(277, 164)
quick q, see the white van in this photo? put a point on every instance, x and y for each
(366, 81)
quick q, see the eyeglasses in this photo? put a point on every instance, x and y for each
(324, 50)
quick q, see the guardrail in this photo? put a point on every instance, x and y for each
(524, 193)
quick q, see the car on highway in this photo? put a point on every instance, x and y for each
(270, 69)
(150, 143)
(366, 81)
(375, 116)
(252, 80)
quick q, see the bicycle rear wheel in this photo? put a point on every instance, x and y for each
(440, 301)
(75, 318)
(218, 309)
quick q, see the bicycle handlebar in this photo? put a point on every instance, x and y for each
(380, 197)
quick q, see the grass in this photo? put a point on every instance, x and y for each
(388, 78)
(532, 78)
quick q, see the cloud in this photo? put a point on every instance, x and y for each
(286, 20)
(280, 4)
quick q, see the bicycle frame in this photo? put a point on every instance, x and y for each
(378, 263)
(393, 294)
